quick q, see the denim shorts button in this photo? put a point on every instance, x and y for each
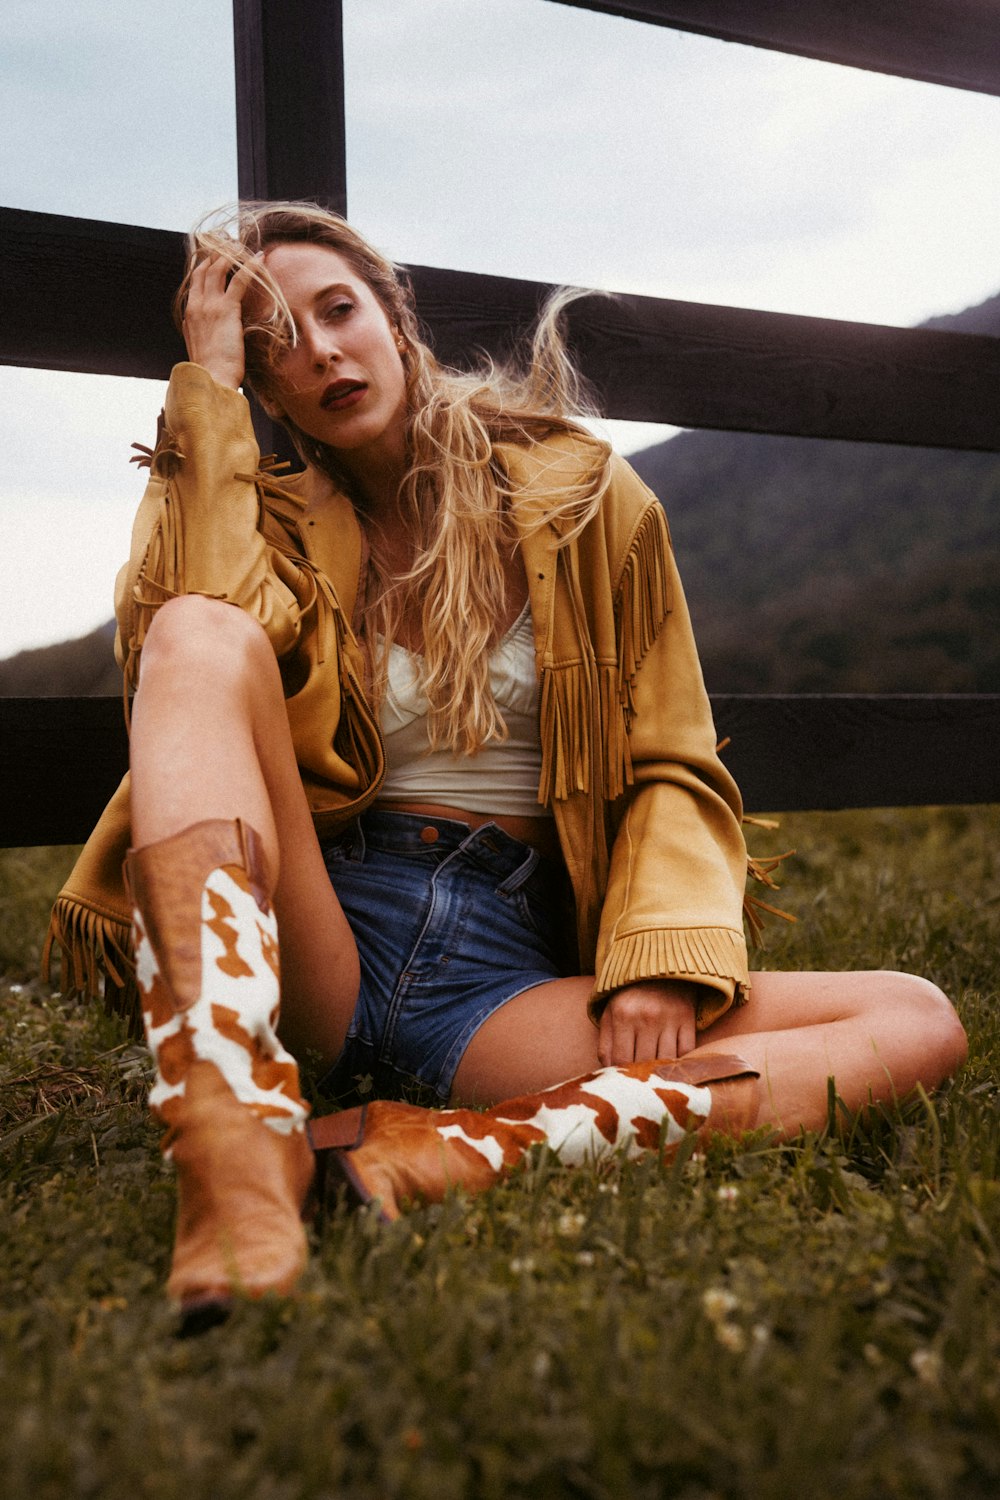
(429, 835)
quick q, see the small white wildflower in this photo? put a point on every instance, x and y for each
(718, 1303)
(522, 1264)
(15, 989)
(761, 1335)
(608, 1187)
(541, 1365)
(727, 1193)
(926, 1365)
(731, 1337)
(570, 1224)
(585, 1257)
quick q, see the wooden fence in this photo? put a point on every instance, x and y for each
(651, 359)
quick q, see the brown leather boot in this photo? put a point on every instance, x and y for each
(405, 1154)
(207, 965)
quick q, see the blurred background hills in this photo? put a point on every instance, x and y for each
(809, 566)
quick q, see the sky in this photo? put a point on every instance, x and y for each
(520, 137)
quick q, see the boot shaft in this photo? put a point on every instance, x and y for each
(207, 965)
(405, 1153)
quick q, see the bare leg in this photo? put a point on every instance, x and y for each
(210, 739)
(876, 1034)
(541, 1037)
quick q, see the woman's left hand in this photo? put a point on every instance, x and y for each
(655, 1018)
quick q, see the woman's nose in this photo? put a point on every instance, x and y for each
(322, 348)
(323, 355)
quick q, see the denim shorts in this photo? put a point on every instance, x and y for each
(450, 924)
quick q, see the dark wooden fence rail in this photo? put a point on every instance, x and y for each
(61, 758)
(953, 42)
(651, 359)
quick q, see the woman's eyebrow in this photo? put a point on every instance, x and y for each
(335, 288)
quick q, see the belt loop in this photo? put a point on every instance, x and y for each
(523, 873)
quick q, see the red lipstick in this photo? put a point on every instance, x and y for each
(342, 394)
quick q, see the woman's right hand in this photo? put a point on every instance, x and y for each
(213, 320)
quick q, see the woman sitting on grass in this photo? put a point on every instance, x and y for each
(452, 750)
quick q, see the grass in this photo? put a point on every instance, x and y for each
(765, 1321)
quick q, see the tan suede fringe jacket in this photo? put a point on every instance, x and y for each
(647, 816)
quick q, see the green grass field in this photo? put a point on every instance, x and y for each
(813, 1320)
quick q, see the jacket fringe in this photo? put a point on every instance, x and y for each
(564, 706)
(691, 953)
(95, 957)
(760, 871)
(657, 953)
(643, 602)
(614, 734)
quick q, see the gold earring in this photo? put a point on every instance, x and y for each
(401, 344)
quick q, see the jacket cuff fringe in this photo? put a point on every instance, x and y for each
(95, 957)
(713, 957)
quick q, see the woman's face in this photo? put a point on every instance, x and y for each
(343, 382)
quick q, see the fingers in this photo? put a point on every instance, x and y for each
(687, 1036)
(605, 1043)
(646, 1021)
(213, 318)
(213, 280)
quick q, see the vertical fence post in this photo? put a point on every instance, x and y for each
(290, 100)
(290, 134)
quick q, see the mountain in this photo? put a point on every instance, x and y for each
(80, 668)
(810, 566)
(815, 566)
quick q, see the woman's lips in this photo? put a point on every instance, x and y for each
(341, 394)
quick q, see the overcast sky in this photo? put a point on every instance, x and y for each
(521, 137)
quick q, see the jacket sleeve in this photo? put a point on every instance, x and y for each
(198, 527)
(674, 900)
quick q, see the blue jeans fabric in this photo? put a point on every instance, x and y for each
(448, 928)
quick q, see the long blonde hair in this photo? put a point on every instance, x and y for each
(455, 496)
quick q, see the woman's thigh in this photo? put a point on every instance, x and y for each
(540, 1037)
(877, 1033)
(319, 956)
(883, 1002)
(320, 974)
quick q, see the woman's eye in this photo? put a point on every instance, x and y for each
(340, 309)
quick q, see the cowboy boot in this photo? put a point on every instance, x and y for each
(206, 947)
(403, 1153)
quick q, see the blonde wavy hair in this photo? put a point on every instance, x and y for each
(455, 497)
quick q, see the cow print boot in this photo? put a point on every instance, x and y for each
(206, 947)
(406, 1154)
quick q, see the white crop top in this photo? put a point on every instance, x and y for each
(501, 777)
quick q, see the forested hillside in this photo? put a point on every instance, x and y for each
(835, 567)
(818, 566)
(74, 669)
(810, 566)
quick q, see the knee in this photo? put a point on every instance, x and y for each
(932, 1023)
(215, 636)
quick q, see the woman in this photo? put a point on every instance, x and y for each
(454, 728)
